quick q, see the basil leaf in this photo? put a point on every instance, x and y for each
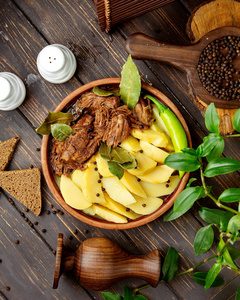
(187, 197)
(212, 275)
(209, 143)
(130, 86)
(105, 93)
(216, 151)
(171, 215)
(189, 151)
(234, 252)
(230, 195)
(190, 182)
(140, 297)
(200, 278)
(236, 120)
(210, 215)
(234, 220)
(120, 156)
(221, 166)
(54, 118)
(225, 257)
(127, 293)
(111, 296)
(182, 162)
(115, 169)
(225, 219)
(203, 239)
(238, 294)
(61, 131)
(212, 119)
(170, 265)
(105, 151)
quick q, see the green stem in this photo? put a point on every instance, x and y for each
(232, 135)
(141, 288)
(217, 202)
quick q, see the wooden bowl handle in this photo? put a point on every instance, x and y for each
(141, 46)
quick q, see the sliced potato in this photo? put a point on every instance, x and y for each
(108, 214)
(169, 146)
(145, 165)
(159, 175)
(158, 139)
(131, 144)
(145, 206)
(153, 152)
(89, 211)
(72, 195)
(77, 178)
(119, 208)
(159, 120)
(130, 182)
(117, 191)
(161, 189)
(103, 166)
(92, 189)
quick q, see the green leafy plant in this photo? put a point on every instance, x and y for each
(226, 219)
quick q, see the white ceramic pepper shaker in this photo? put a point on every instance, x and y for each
(56, 63)
(12, 91)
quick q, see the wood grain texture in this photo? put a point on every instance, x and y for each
(26, 27)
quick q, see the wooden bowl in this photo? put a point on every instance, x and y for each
(49, 177)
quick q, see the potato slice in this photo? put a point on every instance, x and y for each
(108, 214)
(130, 144)
(169, 146)
(89, 211)
(159, 120)
(77, 178)
(161, 189)
(117, 191)
(159, 175)
(145, 165)
(146, 206)
(72, 195)
(153, 137)
(103, 166)
(119, 208)
(153, 152)
(92, 189)
(130, 182)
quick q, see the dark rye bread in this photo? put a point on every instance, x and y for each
(6, 151)
(25, 186)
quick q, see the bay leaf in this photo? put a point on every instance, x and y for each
(115, 169)
(105, 151)
(120, 156)
(105, 93)
(61, 131)
(130, 86)
(54, 118)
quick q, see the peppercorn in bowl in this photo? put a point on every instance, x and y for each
(109, 171)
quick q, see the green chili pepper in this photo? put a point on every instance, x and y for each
(177, 133)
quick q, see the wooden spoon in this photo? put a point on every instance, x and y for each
(186, 58)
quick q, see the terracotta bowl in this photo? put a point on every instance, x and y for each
(70, 99)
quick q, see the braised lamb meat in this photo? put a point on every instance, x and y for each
(96, 119)
(118, 127)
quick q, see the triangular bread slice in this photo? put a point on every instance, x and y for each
(25, 186)
(6, 151)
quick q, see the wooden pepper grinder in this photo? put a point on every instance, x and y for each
(99, 263)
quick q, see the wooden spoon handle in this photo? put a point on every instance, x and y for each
(141, 46)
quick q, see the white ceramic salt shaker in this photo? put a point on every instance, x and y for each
(56, 63)
(12, 91)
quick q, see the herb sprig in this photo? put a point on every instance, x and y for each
(224, 218)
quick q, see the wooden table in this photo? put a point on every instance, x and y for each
(25, 28)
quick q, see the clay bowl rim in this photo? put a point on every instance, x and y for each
(49, 177)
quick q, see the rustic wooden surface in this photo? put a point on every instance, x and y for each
(25, 28)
